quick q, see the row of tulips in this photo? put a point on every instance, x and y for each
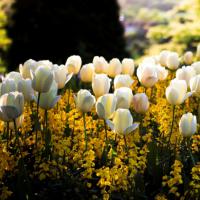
(111, 93)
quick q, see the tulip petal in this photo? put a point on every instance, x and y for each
(10, 112)
(69, 76)
(188, 94)
(110, 124)
(75, 99)
(56, 99)
(131, 128)
(101, 111)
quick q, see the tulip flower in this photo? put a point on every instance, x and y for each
(86, 73)
(128, 66)
(27, 67)
(25, 86)
(140, 103)
(124, 97)
(100, 84)
(122, 122)
(11, 106)
(185, 73)
(44, 63)
(60, 75)
(188, 125)
(42, 79)
(196, 67)
(123, 80)
(198, 51)
(147, 74)
(162, 73)
(195, 85)
(50, 98)
(176, 92)
(188, 58)
(16, 76)
(100, 64)
(114, 67)
(162, 58)
(73, 64)
(8, 85)
(173, 61)
(106, 105)
(84, 100)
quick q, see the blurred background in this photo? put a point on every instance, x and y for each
(54, 30)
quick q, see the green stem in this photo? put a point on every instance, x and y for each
(172, 124)
(37, 118)
(187, 144)
(106, 132)
(125, 142)
(85, 134)
(7, 129)
(198, 116)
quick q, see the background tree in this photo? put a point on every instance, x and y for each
(54, 30)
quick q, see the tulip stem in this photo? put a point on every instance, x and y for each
(187, 144)
(85, 134)
(106, 132)
(198, 117)
(125, 142)
(37, 118)
(7, 129)
(172, 124)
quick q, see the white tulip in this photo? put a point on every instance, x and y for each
(100, 64)
(100, 84)
(188, 125)
(44, 63)
(140, 103)
(27, 67)
(162, 58)
(188, 57)
(198, 51)
(114, 67)
(196, 67)
(73, 64)
(87, 72)
(8, 85)
(124, 97)
(122, 122)
(173, 61)
(162, 73)
(106, 105)
(128, 66)
(123, 80)
(16, 76)
(84, 100)
(195, 85)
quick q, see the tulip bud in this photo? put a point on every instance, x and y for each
(44, 63)
(147, 74)
(100, 64)
(128, 66)
(16, 76)
(176, 92)
(124, 97)
(86, 73)
(185, 73)
(74, 64)
(114, 67)
(84, 100)
(198, 51)
(140, 103)
(172, 61)
(42, 79)
(122, 122)
(122, 80)
(8, 85)
(162, 73)
(195, 85)
(162, 58)
(29, 65)
(25, 87)
(196, 67)
(50, 98)
(106, 106)
(188, 125)
(188, 57)
(11, 106)
(60, 75)
(100, 84)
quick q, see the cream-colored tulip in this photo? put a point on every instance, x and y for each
(173, 61)
(162, 57)
(140, 103)
(185, 73)
(114, 68)
(176, 92)
(100, 84)
(106, 105)
(188, 125)
(124, 97)
(162, 73)
(86, 73)
(123, 80)
(44, 63)
(195, 85)
(128, 66)
(84, 100)
(196, 67)
(147, 74)
(122, 122)
(100, 65)
(198, 51)
(16, 76)
(11, 106)
(188, 57)
(27, 67)
(60, 75)
(49, 99)
(74, 64)
(8, 85)
(42, 79)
